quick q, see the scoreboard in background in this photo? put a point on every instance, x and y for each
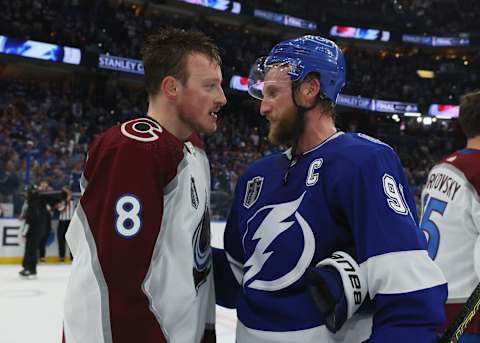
(40, 50)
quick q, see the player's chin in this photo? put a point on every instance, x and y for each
(209, 128)
(273, 137)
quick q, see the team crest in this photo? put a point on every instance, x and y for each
(193, 193)
(254, 187)
(142, 129)
(201, 251)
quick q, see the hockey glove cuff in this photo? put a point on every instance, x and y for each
(338, 288)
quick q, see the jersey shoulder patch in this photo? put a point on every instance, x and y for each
(142, 129)
(138, 143)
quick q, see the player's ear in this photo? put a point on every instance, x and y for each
(169, 87)
(309, 89)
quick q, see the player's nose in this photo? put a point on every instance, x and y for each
(265, 108)
(222, 100)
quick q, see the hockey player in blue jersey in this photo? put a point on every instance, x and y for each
(330, 217)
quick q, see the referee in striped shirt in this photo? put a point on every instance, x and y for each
(66, 209)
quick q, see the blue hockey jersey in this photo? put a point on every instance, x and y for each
(347, 194)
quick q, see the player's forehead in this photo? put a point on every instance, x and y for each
(201, 66)
(277, 73)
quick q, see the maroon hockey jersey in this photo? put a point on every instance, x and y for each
(140, 238)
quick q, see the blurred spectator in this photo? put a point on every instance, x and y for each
(8, 183)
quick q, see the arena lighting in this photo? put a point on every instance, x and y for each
(436, 41)
(427, 120)
(239, 83)
(285, 19)
(220, 5)
(396, 118)
(413, 114)
(425, 74)
(359, 33)
(443, 111)
(40, 50)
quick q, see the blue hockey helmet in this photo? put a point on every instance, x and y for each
(301, 56)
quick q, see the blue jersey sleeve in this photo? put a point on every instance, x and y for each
(228, 262)
(408, 291)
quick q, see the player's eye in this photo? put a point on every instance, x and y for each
(271, 93)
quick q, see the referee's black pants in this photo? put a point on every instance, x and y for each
(32, 243)
(61, 231)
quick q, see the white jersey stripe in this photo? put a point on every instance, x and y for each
(356, 330)
(92, 311)
(415, 264)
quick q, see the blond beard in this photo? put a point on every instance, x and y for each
(283, 132)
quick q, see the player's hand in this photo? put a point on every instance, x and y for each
(338, 288)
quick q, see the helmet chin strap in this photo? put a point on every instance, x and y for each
(299, 128)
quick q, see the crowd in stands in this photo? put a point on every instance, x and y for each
(46, 126)
(97, 27)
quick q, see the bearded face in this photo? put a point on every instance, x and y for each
(278, 107)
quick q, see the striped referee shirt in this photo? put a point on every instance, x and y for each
(66, 210)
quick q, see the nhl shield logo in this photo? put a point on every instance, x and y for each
(193, 193)
(254, 187)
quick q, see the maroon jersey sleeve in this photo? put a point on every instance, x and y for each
(123, 204)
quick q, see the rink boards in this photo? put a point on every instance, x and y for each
(12, 245)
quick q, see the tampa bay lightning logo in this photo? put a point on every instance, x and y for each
(201, 250)
(265, 234)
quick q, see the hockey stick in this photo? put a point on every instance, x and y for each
(471, 307)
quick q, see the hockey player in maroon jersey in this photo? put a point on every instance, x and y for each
(140, 234)
(451, 216)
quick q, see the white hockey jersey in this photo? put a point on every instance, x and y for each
(451, 222)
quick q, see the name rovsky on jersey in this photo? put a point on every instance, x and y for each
(451, 221)
(443, 183)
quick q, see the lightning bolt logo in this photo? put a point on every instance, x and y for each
(271, 227)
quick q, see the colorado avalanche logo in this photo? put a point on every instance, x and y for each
(201, 250)
(270, 228)
(141, 129)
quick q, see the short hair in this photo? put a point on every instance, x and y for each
(165, 53)
(469, 118)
